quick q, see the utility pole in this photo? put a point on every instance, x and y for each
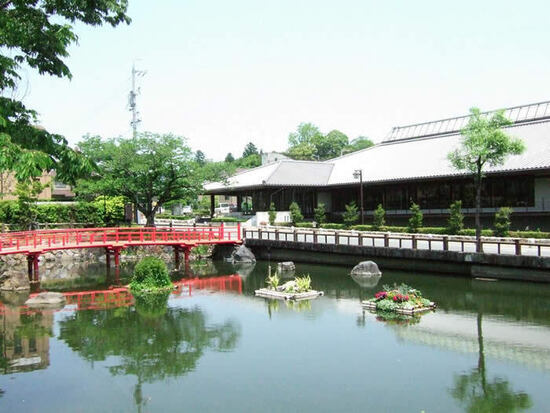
(132, 99)
(358, 173)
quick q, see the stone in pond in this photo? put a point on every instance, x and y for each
(243, 254)
(47, 300)
(366, 281)
(366, 269)
(287, 266)
(288, 286)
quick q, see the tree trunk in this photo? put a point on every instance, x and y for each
(150, 220)
(478, 214)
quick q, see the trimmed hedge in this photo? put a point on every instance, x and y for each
(304, 225)
(228, 219)
(170, 216)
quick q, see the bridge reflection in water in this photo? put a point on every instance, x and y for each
(25, 332)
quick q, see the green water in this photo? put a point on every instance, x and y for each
(485, 349)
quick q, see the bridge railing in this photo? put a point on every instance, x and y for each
(107, 236)
(455, 243)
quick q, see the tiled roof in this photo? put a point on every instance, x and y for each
(404, 156)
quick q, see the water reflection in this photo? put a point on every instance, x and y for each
(156, 342)
(476, 394)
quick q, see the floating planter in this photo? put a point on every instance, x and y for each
(400, 299)
(299, 289)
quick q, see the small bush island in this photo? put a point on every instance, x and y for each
(399, 297)
(150, 275)
(299, 285)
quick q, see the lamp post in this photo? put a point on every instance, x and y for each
(358, 174)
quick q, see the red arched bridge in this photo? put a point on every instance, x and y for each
(182, 239)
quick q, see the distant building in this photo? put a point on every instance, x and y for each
(53, 189)
(271, 157)
(411, 165)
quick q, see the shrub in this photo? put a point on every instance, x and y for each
(350, 216)
(502, 222)
(295, 213)
(150, 274)
(272, 214)
(152, 305)
(333, 226)
(272, 281)
(110, 209)
(228, 219)
(304, 225)
(472, 232)
(456, 219)
(415, 221)
(379, 219)
(319, 214)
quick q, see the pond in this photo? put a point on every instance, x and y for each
(213, 346)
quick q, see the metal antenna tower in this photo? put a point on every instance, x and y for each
(132, 99)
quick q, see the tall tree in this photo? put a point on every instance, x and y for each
(149, 169)
(331, 145)
(38, 33)
(229, 158)
(250, 149)
(200, 158)
(484, 144)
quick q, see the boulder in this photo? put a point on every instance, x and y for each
(287, 266)
(14, 281)
(366, 281)
(47, 300)
(366, 269)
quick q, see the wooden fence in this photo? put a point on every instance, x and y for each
(465, 244)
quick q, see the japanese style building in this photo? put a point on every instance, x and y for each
(411, 165)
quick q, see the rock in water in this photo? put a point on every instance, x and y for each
(287, 266)
(14, 281)
(366, 269)
(287, 287)
(243, 254)
(47, 300)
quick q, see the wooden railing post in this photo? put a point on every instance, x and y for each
(386, 240)
(518, 246)
(314, 236)
(445, 243)
(295, 235)
(336, 237)
(413, 241)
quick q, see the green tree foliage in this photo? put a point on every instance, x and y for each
(150, 274)
(456, 219)
(110, 209)
(27, 194)
(309, 143)
(250, 149)
(357, 144)
(272, 213)
(295, 213)
(415, 221)
(251, 161)
(379, 217)
(37, 34)
(149, 170)
(484, 144)
(350, 215)
(229, 158)
(503, 222)
(200, 158)
(319, 214)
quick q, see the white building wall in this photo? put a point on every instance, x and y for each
(263, 217)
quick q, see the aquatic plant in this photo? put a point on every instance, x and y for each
(303, 284)
(272, 281)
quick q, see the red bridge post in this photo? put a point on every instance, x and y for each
(177, 257)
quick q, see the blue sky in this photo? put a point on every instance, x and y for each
(223, 73)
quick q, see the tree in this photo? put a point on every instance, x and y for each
(484, 144)
(149, 169)
(38, 34)
(229, 158)
(502, 222)
(306, 133)
(272, 214)
(251, 161)
(250, 149)
(415, 221)
(331, 145)
(295, 213)
(351, 215)
(320, 214)
(358, 144)
(456, 219)
(200, 158)
(379, 219)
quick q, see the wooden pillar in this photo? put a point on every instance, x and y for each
(29, 267)
(108, 259)
(35, 267)
(212, 205)
(187, 253)
(116, 252)
(177, 257)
